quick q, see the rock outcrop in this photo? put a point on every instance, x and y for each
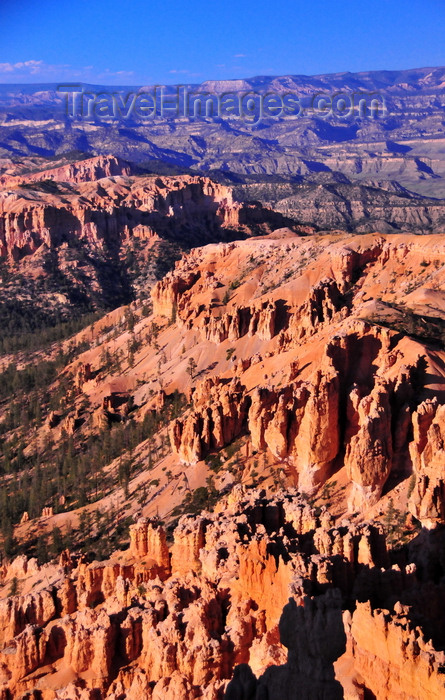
(257, 577)
(94, 214)
(87, 170)
(147, 539)
(219, 415)
(391, 656)
(308, 424)
(428, 455)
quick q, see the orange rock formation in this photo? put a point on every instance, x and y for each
(248, 582)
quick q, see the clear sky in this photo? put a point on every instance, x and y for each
(145, 42)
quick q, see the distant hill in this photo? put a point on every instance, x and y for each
(406, 143)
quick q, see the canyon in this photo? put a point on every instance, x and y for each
(286, 520)
(230, 484)
(389, 165)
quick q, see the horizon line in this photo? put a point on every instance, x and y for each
(224, 80)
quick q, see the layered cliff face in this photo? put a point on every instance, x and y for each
(367, 206)
(87, 170)
(95, 201)
(98, 232)
(337, 385)
(250, 596)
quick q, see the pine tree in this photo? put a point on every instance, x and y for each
(191, 367)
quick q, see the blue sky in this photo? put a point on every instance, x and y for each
(140, 43)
